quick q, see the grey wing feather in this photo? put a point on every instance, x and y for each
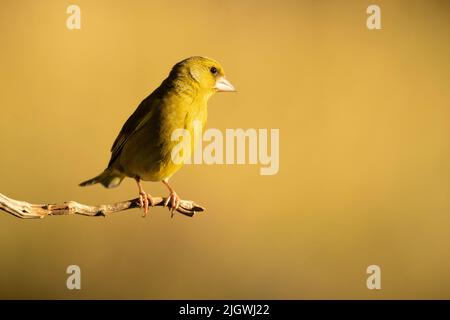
(142, 114)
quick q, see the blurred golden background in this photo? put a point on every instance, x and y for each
(364, 149)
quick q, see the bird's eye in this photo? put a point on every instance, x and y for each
(213, 70)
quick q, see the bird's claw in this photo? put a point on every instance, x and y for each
(174, 201)
(144, 201)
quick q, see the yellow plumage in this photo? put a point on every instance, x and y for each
(143, 147)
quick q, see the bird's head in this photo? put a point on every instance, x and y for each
(203, 73)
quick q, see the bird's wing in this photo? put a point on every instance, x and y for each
(143, 113)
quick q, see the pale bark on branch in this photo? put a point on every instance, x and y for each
(25, 210)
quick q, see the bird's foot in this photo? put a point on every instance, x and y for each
(174, 201)
(144, 200)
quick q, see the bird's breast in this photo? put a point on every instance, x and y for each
(148, 154)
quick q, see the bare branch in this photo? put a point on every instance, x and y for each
(25, 210)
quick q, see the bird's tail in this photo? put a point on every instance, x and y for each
(108, 178)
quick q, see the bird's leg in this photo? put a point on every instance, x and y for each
(144, 198)
(173, 198)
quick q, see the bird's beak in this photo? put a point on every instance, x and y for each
(223, 85)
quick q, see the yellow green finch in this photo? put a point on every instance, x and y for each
(143, 148)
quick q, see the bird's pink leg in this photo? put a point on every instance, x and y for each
(173, 198)
(144, 198)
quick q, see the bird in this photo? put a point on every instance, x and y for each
(142, 150)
